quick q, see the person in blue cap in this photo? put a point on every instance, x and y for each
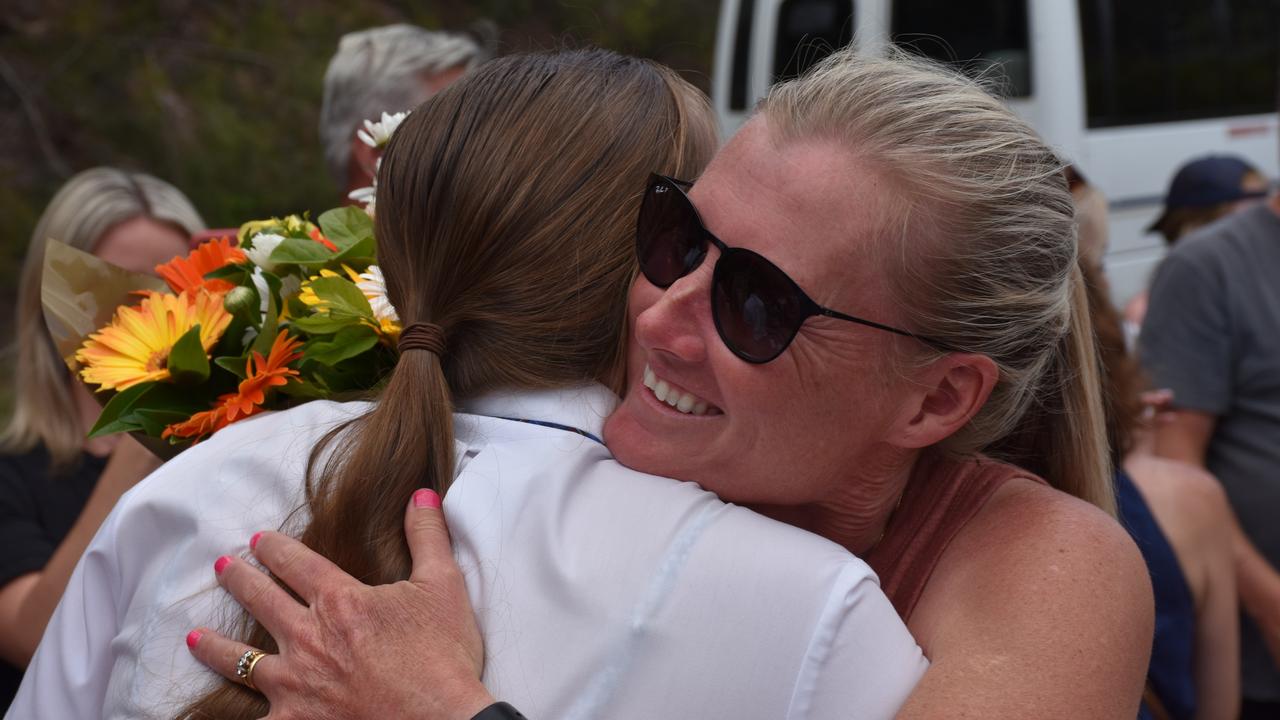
(1204, 190)
(1212, 337)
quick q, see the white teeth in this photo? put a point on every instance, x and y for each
(687, 403)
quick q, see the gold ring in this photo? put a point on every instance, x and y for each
(245, 665)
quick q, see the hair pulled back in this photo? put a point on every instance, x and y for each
(505, 215)
(981, 249)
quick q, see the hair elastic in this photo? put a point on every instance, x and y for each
(422, 336)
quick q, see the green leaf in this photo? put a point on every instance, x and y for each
(342, 299)
(362, 253)
(154, 421)
(188, 364)
(120, 405)
(270, 327)
(239, 274)
(321, 324)
(128, 410)
(346, 227)
(299, 251)
(304, 390)
(347, 343)
(233, 365)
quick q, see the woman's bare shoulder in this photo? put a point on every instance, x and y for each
(1038, 585)
(1030, 530)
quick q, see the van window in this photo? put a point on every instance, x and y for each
(1156, 61)
(808, 31)
(979, 37)
(739, 82)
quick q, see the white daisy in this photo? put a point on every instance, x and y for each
(374, 288)
(363, 195)
(260, 248)
(260, 283)
(376, 133)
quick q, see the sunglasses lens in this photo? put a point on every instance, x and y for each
(757, 308)
(670, 241)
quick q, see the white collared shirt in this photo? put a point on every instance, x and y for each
(601, 592)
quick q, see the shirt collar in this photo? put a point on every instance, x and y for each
(583, 407)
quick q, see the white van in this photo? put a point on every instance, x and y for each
(1128, 90)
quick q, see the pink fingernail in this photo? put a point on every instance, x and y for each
(253, 541)
(426, 499)
(193, 637)
(221, 564)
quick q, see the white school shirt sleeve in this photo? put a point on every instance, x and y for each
(862, 661)
(67, 678)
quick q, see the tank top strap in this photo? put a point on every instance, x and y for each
(941, 497)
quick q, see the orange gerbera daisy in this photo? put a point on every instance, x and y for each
(261, 374)
(135, 347)
(188, 273)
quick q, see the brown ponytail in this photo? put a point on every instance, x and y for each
(505, 215)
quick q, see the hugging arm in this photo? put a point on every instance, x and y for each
(359, 651)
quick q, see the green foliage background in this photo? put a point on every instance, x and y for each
(222, 98)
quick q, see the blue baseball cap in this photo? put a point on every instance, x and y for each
(1208, 181)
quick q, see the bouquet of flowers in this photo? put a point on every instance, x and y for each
(292, 312)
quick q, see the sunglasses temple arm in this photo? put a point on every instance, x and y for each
(887, 328)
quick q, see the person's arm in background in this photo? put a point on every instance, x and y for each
(1184, 435)
(28, 601)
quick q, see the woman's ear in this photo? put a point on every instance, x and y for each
(949, 392)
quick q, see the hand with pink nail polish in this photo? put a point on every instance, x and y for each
(344, 649)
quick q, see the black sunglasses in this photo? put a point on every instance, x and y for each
(757, 308)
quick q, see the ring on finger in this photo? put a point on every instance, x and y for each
(245, 665)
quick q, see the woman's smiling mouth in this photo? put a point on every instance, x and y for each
(680, 400)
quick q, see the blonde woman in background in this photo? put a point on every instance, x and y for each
(56, 486)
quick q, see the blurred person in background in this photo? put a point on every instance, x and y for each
(389, 69)
(1211, 336)
(56, 486)
(1175, 512)
(1202, 191)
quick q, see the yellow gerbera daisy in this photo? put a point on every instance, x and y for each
(134, 347)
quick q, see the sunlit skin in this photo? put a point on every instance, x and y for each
(820, 436)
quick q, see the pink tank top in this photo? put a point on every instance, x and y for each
(942, 496)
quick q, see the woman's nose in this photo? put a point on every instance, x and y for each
(677, 324)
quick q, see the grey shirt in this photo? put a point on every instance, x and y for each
(1212, 335)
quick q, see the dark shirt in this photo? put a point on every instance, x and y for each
(1171, 673)
(37, 510)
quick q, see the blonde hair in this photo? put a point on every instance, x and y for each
(984, 237)
(83, 210)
